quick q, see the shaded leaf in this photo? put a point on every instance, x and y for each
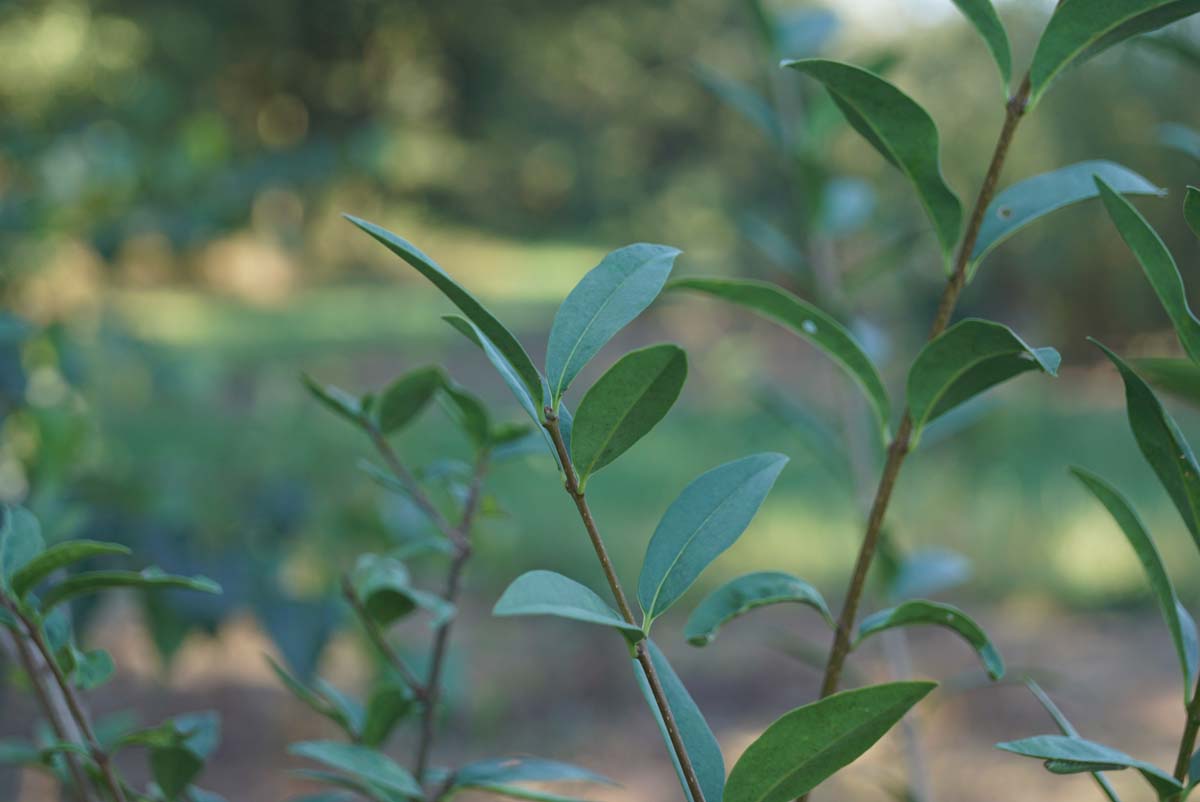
(921, 612)
(624, 405)
(1028, 201)
(744, 100)
(312, 698)
(20, 541)
(404, 398)
(335, 399)
(361, 763)
(1191, 209)
(523, 769)
(1065, 754)
(1179, 622)
(707, 517)
(178, 759)
(529, 401)
(383, 586)
(1068, 729)
(389, 704)
(745, 593)
(60, 556)
(469, 413)
(548, 593)
(358, 786)
(900, 130)
(811, 743)
(146, 579)
(982, 15)
(927, 572)
(1180, 138)
(1179, 377)
(807, 321)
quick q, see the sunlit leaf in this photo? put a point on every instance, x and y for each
(624, 405)
(1081, 29)
(965, 360)
(1065, 754)
(1027, 201)
(900, 130)
(1179, 622)
(605, 300)
(745, 593)
(548, 593)
(146, 579)
(807, 321)
(811, 743)
(404, 398)
(982, 15)
(918, 612)
(707, 518)
(361, 763)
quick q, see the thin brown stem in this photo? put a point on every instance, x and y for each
(377, 638)
(641, 653)
(1187, 743)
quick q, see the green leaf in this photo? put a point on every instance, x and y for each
(744, 100)
(335, 399)
(17, 752)
(921, 612)
(20, 541)
(698, 739)
(963, 361)
(1179, 377)
(362, 763)
(1162, 444)
(810, 744)
(808, 322)
(91, 669)
(404, 398)
(469, 413)
(707, 517)
(745, 593)
(147, 579)
(1159, 266)
(389, 703)
(624, 405)
(347, 707)
(611, 295)
(548, 593)
(1028, 201)
(1179, 622)
(927, 572)
(188, 742)
(1069, 755)
(1180, 138)
(383, 586)
(505, 770)
(529, 401)
(358, 786)
(900, 130)
(521, 792)
(982, 15)
(312, 698)
(1068, 729)
(60, 556)
(491, 329)
(1081, 29)
(1191, 209)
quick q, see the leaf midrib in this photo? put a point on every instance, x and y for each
(621, 420)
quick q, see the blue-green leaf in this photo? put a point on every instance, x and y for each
(361, 763)
(744, 100)
(20, 541)
(548, 593)
(921, 612)
(60, 556)
(982, 15)
(745, 593)
(1181, 138)
(404, 398)
(96, 581)
(1068, 728)
(1065, 754)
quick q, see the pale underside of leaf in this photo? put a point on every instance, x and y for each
(920, 612)
(745, 593)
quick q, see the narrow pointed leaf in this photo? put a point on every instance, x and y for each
(1068, 728)
(310, 697)
(1191, 209)
(529, 400)
(469, 413)
(1070, 755)
(739, 596)
(1081, 29)
(808, 322)
(1179, 622)
(501, 339)
(1162, 444)
(612, 294)
(963, 361)
(706, 519)
(1181, 138)
(404, 398)
(147, 579)
(548, 593)
(810, 744)
(20, 541)
(982, 15)
(60, 556)
(1028, 201)
(506, 770)
(698, 739)
(744, 100)
(1158, 264)
(335, 399)
(361, 763)
(900, 130)
(625, 404)
(920, 612)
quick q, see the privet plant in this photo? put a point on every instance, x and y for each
(36, 631)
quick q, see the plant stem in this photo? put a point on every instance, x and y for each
(375, 634)
(900, 445)
(1187, 743)
(410, 483)
(641, 653)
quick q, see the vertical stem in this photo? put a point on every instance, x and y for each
(377, 638)
(1187, 743)
(641, 653)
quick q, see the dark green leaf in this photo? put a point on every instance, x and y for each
(807, 321)
(335, 399)
(983, 16)
(810, 744)
(404, 398)
(1068, 729)
(1179, 622)
(60, 556)
(147, 579)
(743, 594)
(389, 703)
(612, 294)
(707, 517)
(1179, 377)
(1030, 200)
(469, 413)
(177, 763)
(1069, 755)
(20, 541)
(1180, 138)
(1162, 444)
(625, 404)
(920, 612)
(346, 708)
(900, 130)
(963, 361)
(548, 593)
(744, 100)
(492, 330)
(698, 739)
(530, 402)
(361, 763)
(1159, 266)
(1080, 29)
(383, 586)
(1191, 209)
(360, 787)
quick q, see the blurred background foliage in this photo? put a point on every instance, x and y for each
(172, 177)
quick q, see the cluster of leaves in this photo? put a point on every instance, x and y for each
(37, 631)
